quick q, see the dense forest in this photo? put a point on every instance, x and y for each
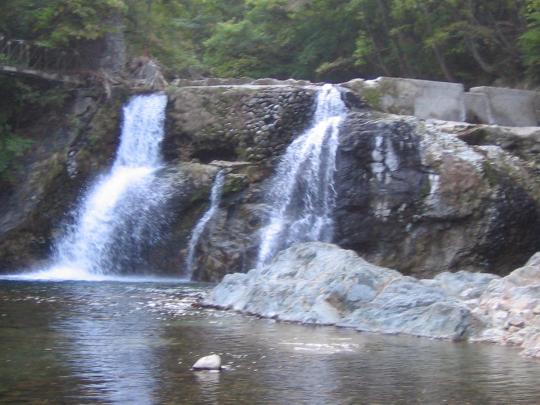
(475, 42)
(470, 41)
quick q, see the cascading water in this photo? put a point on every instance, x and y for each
(215, 198)
(302, 194)
(123, 210)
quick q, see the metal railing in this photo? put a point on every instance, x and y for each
(23, 54)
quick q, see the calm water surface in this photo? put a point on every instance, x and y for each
(134, 343)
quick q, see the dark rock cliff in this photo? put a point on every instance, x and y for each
(421, 198)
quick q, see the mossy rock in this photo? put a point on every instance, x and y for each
(235, 183)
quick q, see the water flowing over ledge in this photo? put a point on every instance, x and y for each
(215, 198)
(302, 194)
(123, 210)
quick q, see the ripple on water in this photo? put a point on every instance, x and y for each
(113, 342)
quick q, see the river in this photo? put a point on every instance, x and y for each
(77, 342)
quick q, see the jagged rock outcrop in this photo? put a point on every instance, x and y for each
(422, 197)
(411, 195)
(322, 284)
(417, 198)
(145, 74)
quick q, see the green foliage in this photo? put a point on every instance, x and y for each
(530, 39)
(253, 46)
(20, 103)
(11, 147)
(58, 23)
(475, 41)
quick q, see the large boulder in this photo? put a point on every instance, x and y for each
(421, 98)
(510, 107)
(320, 283)
(415, 197)
(510, 306)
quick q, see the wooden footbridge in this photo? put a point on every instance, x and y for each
(25, 58)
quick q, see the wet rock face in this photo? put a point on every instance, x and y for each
(218, 125)
(69, 151)
(420, 197)
(380, 183)
(420, 200)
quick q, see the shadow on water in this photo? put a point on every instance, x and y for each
(113, 342)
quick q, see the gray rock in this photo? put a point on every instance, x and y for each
(448, 101)
(147, 74)
(321, 283)
(478, 108)
(212, 362)
(405, 202)
(462, 284)
(510, 307)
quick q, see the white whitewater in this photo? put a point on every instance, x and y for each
(302, 193)
(123, 210)
(215, 199)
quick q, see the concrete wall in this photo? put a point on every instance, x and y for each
(510, 107)
(449, 101)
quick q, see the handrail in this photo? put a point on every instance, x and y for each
(29, 55)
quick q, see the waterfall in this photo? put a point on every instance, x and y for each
(301, 193)
(123, 210)
(215, 198)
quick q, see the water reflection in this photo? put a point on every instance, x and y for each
(111, 345)
(208, 382)
(135, 343)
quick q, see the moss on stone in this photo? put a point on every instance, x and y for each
(372, 96)
(490, 173)
(425, 189)
(235, 183)
(200, 194)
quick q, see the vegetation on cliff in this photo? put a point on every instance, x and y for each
(470, 41)
(473, 41)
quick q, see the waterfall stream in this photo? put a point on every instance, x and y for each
(302, 194)
(123, 210)
(215, 198)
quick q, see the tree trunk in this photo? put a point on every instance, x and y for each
(486, 67)
(442, 64)
(378, 55)
(403, 62)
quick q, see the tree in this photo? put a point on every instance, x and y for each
(530, 39)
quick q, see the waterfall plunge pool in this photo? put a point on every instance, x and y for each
(134, 343)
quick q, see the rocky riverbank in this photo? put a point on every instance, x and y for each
(320, 283)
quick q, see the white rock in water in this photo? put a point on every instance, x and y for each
(212, 362)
